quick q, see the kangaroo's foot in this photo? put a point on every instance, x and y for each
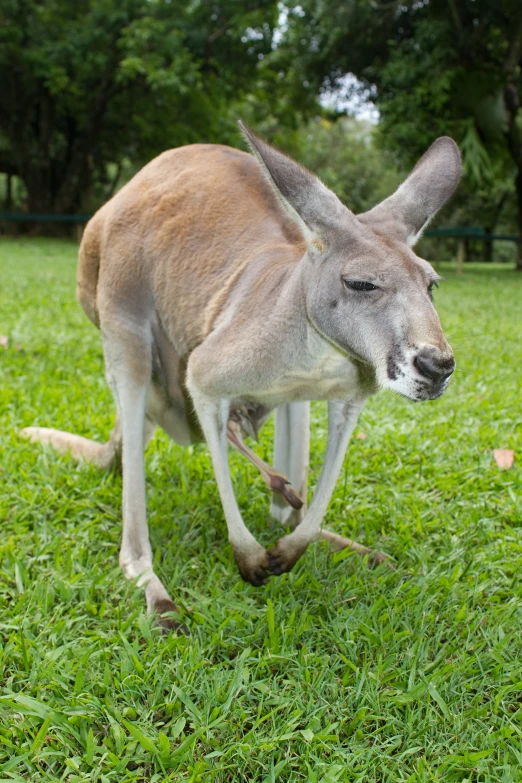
(159, 602)
(285, 554)
(165, 612)
(252, 564)
(289, 549)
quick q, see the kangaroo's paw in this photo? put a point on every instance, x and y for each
(165, 612)
(285, 555)
(280, 484)
(252, 564)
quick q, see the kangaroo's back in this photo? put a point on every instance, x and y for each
(177, 235)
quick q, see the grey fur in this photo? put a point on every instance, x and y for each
(409, 210)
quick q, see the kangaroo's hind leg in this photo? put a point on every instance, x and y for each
(291, 454)
(291, 457)
(128, 364)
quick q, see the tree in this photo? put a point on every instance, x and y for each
(432, 66)
(88, 83)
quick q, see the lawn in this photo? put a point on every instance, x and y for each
(330, 673)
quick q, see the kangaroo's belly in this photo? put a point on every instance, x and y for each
(169, 405)
(168, 402)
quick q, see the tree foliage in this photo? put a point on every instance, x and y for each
(344, 156)
(90, 85)
(433, 67)
(86, 83)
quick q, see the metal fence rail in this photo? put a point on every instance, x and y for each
(459, 232)
(26, 217)
(462, 233)
(470, 232)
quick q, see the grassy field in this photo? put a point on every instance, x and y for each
(330, 673)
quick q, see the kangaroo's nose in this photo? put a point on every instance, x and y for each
(434, 365)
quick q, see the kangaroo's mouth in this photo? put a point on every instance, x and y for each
(424, 394)
(435, 391)
(416, 381)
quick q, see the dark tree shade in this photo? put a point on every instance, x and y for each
(85, 83)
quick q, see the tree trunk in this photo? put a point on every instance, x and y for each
(50, 193)
(518, 185)
(461, 256)
(8, 192)
(514, 135)
(38, 182)
(487, 246)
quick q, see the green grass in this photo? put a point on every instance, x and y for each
(330, 673)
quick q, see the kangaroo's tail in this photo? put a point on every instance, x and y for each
(106, 456)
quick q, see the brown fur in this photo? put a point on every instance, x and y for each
(187, 249)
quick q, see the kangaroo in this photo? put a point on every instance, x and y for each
(227, 286)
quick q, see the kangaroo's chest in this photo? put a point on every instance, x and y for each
(328, 375)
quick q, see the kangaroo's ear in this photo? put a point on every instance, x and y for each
(304, 197)
(406, 213)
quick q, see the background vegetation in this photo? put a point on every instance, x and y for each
(92, 89)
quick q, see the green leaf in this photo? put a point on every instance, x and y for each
(164, 743)
(42, 731)
(89, 750)
(270, 620)
(145, 742)
(440, 701)
(177, 728)
(461, 614)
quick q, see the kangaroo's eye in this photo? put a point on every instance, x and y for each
(359, 285)
(431, 286)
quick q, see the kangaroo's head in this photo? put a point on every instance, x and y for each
(366, 291)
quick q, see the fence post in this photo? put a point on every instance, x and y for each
(461, 254)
